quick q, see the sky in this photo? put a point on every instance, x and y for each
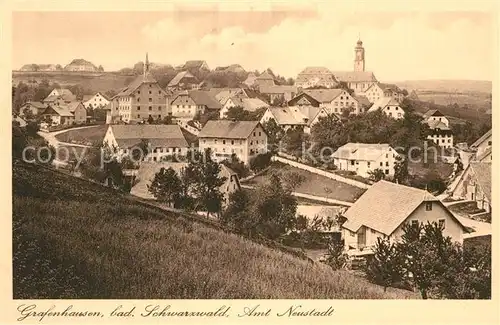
(398, 45)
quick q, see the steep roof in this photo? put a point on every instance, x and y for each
(482, 170)
(482, 139)
(146, 174)
(136, 83)
(166, 136)
(38, 105)
(223, 95)
(324, 95)
(385, 206)
(181, 75)
(202, 97)
(265, 76)
(361, 151)
(72, 106)
(250, 79)
(59, 110)
(392, 87)
(362, 100)
(228, 129)
(295, 115)
(382, 103)
(435, 124)
(484, 154)
(355, 76)
(193, 64)
(432, 112)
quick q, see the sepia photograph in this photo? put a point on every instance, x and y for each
(282, 154)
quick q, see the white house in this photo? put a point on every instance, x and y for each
(77, 109)
(475, 185)
(248, 104)
(96, 101)
(388, 106)
(335, 101)
(59, 96)
(246, 139)
(35, 108)
(314, 77)
(162, 140)
(189, 103)
(436, 115)
(483, 147)
(365, 157)
(292, 117)
(59, 115)
(380, 90)
(440, 134)
(385, 208)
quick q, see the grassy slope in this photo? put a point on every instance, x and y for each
(314, 184)
(90, 134)
(74, 239)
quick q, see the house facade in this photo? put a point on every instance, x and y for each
(81, 65)
(388, 106)
(483, 147)
(363, 158)
(248, 104)
(315, 77)
(35, 108)
(334, 101)
(187, 104)
(59, 115)
(380, 90)
(293, 117)
(278, 94)
(475, 185)
(184, 80)
(161, 140)
(396, 206)
(59, 96)
(140, 100)
(96, 101)
(246, 139)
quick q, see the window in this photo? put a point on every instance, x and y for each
(251, 142)
(150, 92)
(150, 99)
(159, 92)
(428, 206)
(489, 143)
(386, 155)
(352, 162)
(372, 231)
(138, 115)
(138, 108)
(386, 163)
(260, 133)
(254, 134)
(387, 171)
(150, 108)
(138, 92)
(368, 164)
(381, 164)
(352, 233)
(223, 141)
(414, 223)
(232, 142)
(441, 223)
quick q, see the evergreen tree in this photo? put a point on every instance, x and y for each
(166, 186)
(384, 268)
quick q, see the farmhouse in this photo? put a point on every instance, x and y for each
(81, 65)
(379, 90)
(483, 147)
(388, 106)
(78, 110)
(475, 185)
(440, 134)
(292, 117)
(59, 115)
(187, 104)
(278, 94)
(147, 171)
(161, 140)
(385, 208)
(183, 80)
(335, 101)
(250, 80)
(98, 100)
(265, 79)
(315, 77)
(141, 99)
(195, 65)
(248, 104)
(59, 96)
(364, 158)
(34, 107)
(435, 115)
(246, 139)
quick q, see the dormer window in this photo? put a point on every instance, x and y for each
(428, 206)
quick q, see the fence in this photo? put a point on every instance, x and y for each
(320, 172)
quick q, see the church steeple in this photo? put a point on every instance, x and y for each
(146, 65)
(359, 56)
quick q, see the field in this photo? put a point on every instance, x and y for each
(74, 239)
(314, 184)
(90, 134)
(100, 82)
(451, 86)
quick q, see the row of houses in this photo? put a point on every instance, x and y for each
(81, 65)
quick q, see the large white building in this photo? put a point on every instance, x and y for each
(363, 158)
(388, 106)
(161, 140)
(246, 139)
(334, 101)
(98, 100)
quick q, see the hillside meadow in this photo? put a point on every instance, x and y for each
(75, 239)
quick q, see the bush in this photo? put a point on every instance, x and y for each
(260, 162)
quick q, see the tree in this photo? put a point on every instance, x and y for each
(274, 134)
(293, 180)
(235, 164)
(401, 170)
(376, 174)
(236, 212)
(203, 177)
(166, 186)
(294, 140)
(100, 69)
(336, 258)
(260, 162)
(385, 267)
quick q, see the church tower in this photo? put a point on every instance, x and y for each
(359, 57)
(146, 66)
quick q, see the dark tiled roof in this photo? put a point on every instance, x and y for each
(228, 129)
(157, 135)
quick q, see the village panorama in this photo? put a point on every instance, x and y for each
(197, 182)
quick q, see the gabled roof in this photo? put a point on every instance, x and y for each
(166, 136)
(228, 129)
(250, 79)
(265, 76)
(483, 138)
(355, 76)
(435, 124)
(70, 106)
(482, 170)
(193, 64)
(362, 100)
(57, 110)
(391, 87)
(202, 97)
(386, 205)
(382, 103)
(38, 105)
(318, 74)
(324, 95)
(181, 75)
(432, 112)
(226, 93)
(361, 151)
(128, 90)
(295, 115)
